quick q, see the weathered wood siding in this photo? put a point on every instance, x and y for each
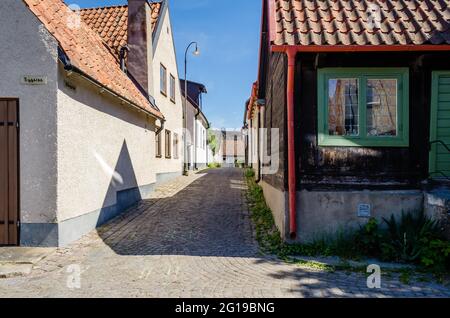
(275, 116)
(364, 166)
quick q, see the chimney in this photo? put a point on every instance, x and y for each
(140, 57)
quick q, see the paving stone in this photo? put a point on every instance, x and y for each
(192, 238)
(14, 270)
(23, 255)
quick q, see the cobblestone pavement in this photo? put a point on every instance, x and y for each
(192, 239)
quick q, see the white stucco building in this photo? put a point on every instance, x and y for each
(197, 125)
(79, 145)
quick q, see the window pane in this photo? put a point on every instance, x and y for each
(158, 145)
(175, 146)
(343, 111)
(172, 87)
(168, 143)
(163, 79)
(382, 107)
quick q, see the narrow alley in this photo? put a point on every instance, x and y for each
(182, 244)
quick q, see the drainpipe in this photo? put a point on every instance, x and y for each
(195, 136)
(291, 53)
(258, 148)
(291, 144)
(261, 115)
(158, 131)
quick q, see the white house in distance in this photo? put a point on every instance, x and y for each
(197, 125)
(79, 116)
(231, 147)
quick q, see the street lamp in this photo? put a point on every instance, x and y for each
(195, 53)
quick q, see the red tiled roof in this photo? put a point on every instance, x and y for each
(86, 50)
(112, 23)
(349, 22)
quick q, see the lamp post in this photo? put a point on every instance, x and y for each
(196, 53)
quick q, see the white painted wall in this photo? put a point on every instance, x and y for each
(201, 136)
(28, 49)
(96, 136)
(164, 52)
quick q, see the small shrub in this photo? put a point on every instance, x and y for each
(214, 165)
(435, 254)
(249, 173)
(404, 238)
(368, 239)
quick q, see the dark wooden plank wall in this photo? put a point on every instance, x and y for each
(275, 116)
(364, 167)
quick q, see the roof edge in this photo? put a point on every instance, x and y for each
(361, 48)
(69, 67)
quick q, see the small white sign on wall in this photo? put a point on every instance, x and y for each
(34, 80)
(364, 210)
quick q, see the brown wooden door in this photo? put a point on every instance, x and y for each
(9, 173)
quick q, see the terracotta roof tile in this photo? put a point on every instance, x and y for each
(350, 22)
(112, 23)
(86, 50)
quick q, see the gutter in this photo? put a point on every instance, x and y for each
(200, 112)
(361, 48)
(71, 68)
(253, 97)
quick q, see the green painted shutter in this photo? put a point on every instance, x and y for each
(440, 125)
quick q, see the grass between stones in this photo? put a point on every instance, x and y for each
(271, 243)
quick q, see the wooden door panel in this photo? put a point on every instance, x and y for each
(3, 173)
(9, 176)
(13, 207)
(440, 126)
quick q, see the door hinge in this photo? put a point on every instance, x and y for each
(18, 223)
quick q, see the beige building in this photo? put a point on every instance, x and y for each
(231, 147)
(82, 113)
(197, 125)
(113, 24)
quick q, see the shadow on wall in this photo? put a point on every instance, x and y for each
(206, 218)
(123, 186)
(123, 189)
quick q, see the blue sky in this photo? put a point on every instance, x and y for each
(228, 35)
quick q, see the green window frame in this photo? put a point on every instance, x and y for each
(363, 139)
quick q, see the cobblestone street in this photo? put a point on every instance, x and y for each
(193, 239)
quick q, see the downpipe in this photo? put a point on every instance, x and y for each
(291, 53)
